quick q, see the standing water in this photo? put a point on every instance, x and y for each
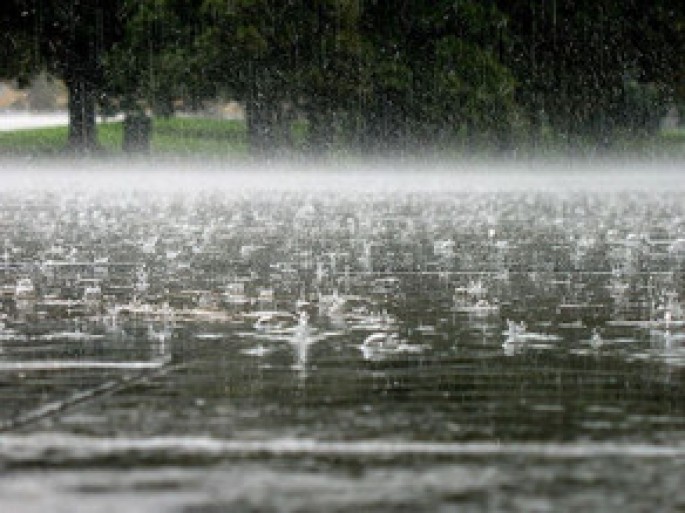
(373, 342)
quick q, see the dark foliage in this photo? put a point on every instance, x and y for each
(392, 75)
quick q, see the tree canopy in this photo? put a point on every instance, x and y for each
(376, 75)
(69, 40)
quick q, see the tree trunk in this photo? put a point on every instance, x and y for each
(262, 129)
(257, 128)
(137, 133)
(320, 132)
(82, 135)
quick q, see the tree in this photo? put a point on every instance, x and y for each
(16, 44)
(592, 70)
(328, 76)
(248, 54)
(384, 75)
(154, 65)
(434, 73)
(68, 39)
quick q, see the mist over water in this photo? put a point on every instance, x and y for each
(165, 175)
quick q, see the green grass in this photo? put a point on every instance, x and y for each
(673, 137)
(199, 136)
(668, 143)
(228, 138)
(173, 136)
(42, 140)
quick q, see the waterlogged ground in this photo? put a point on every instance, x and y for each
(467, 347)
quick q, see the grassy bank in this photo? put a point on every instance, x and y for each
(184, 136)
(199, 136)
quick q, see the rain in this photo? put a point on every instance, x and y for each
(341, 255)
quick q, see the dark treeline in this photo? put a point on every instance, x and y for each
(373, 75)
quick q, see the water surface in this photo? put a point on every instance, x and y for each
(141, 367)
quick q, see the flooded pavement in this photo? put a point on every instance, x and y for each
(297, 350)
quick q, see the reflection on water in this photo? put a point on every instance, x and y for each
(377, 329)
